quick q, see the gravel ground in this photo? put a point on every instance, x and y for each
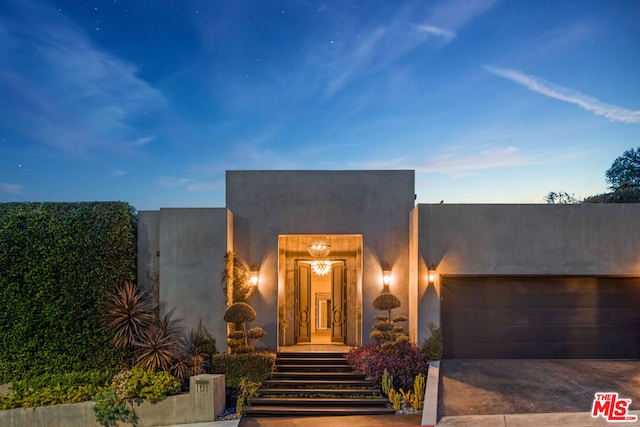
(488, 387)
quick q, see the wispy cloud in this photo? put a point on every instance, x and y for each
(117, 173)
(375, 45)
(65, 91)
(459, 161)
(535, 84)
(14, 189)
(436, 31)
(142, 141)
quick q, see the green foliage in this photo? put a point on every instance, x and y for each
(138, 383)
(386, 331)
(241, 340)
(621, 195)
(130, 314)
(109, 409)
(386, 302)
(52, 389)
(58, 264)
(387, 382)
(158, 346)
(395, 399)
(132, 385)
(560, 198)
(235, 279)
(432, 346)
(240, 312)
(418, 392)
(255, 367)
(248, 389)
(194, 356)
(625, 171)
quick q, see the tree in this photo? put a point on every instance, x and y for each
(560, 198)
(625, 171)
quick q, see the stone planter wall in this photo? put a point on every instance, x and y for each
(205, 402)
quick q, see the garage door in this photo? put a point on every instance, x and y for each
(545, 318)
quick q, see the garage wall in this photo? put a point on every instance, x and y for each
(522, 240)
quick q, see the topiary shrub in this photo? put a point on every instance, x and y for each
(387, 330)
(241, 340)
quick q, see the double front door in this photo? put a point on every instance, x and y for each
(315, 313)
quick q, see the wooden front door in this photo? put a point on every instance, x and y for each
(339, 298)
(304, 304)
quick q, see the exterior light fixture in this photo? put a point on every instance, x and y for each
(254, 277)
(386, 275)
(431, 275)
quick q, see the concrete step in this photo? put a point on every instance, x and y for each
(315, 411)
(318, 401)
(306, 391)
(311, 361)
(304, 383)
(335, 376)
(313, 368)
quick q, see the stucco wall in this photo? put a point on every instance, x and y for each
(571, 240)
(184, 250)
(375, 204)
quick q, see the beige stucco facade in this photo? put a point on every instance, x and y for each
(370, 219)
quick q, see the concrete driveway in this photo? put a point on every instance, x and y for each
(488, 387)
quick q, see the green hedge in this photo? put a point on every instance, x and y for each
(255, 367)
(58, 264)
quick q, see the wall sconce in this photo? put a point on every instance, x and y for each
(386, 276)
(254, 277)
(431, 275)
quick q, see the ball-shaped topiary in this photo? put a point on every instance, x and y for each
(386, 301)
(240, 312)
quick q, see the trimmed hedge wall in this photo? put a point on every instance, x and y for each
(255, 367)
(58, 264)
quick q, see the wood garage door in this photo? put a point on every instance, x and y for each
(540, 318)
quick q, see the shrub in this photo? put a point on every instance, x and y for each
(386, 331)
(109, 409)
(403, 362)
(432, 346)
(115, 403)
(241, 340)
(51, 389)
(255, 367)
(130, 314)
(159, 344)
(138, 383)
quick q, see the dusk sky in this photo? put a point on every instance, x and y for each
(149, 102)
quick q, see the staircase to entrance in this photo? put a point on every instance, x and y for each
(315, 384)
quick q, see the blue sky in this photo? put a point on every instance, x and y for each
(150, 102)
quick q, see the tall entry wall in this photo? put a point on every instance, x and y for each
(374, 204)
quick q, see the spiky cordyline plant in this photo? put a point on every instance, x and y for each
(190, 358)
(158, 346)
(130, 314)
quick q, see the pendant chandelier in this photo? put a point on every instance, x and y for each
(319, 250)
(321, 268)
